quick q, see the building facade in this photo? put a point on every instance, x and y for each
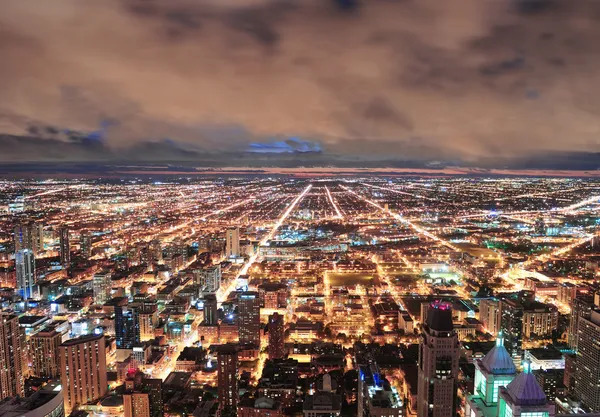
(83, 370)
(249, 318)
(25, 270)
(439, 352)
(12, 357)
(276, 347)
(587, 374)
(44, 353)
(524, 397)
(232, 242)
(227, 377)
(65, 247)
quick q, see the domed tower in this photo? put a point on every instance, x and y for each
(495, 370)
(524, 397)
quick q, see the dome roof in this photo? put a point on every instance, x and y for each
(498, 361)
(525, 390)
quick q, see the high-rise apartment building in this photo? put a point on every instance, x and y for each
(209, 279)
(489, 314)
(438, 363)
(521, 317)
(85, 244)
(587, 374)
(227, 359)
(232, 242)
(142, 396)
(211, 310)
(275, 328)
(249, 317)
(127, 322)
(511, 324)
(12, 357)
(148, 320)
(101, 284)
(29, 235)
(581, 306)
(127, 327)
(44, 353)
(83, 370)
(65, 248)
(25, 272)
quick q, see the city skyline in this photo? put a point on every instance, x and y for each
(299, 208)
(256, 296)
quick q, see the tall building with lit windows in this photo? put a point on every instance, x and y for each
(232, 242)
(438, 363)
(83, 370)
(227, 376)
(102, 284)
(495, 370)
(43, 351)
(523, 397)
(276, 348)
(211, 310)
(29, 235)
(249, 317)
(209, 279)
(85, 244)
(12, 357)
(25, 270)
(65, 247)
(489, 314)
(581, 306)
(587, 373)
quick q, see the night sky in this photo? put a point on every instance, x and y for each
(474, 82)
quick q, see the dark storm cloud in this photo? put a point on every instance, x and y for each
(410, 79)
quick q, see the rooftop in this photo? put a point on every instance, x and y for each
(525, 390)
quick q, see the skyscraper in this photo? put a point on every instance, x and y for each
(522, 317)
(587, 374)
(12, 357)
(489, 314)
(142, 396)
(249, 318)
(44, 348)
(101, 285)
(127, 326)
(232, 242)
(65, 248)
(524, 397)
(85, 243)
(581, 306)
(83, 370)
(495, 370)
(511, 324)
(227, 358)
(211, 310)
(210, 279)
(25, 271)
(438, 363)
(148, 319)
(29, 235)
(276, 346)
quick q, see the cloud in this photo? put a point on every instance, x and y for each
(291, 145)
(403, 79)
